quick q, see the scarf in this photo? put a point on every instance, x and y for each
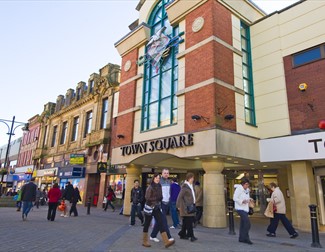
(191, 187)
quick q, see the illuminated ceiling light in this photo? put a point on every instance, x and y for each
(251, 164)
(240, 176)
(214, 156)
(235, 162)
(229, 158)
(196, 158)
(264, 166)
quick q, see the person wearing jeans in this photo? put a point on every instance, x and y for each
(136, 200)
(174, 191)
(242, 199)
(28, 195)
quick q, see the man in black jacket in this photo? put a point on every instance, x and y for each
(67, 196)
(28, 195)
(136, 200)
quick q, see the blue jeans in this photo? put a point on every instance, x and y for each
(174, 214)
(164, 209)
(27, 206)
(136, 209)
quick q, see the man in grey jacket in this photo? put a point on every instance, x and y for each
(28, 195)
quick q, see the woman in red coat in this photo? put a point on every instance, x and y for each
(54, 196)
(110, 197)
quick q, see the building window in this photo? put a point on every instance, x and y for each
(64, 132)
(45, 136)
(159, 106)
(104, 114)
(55, 131)
(248, 76)
(309, 55)
(89, 117)
(91, 86)
(75, 129)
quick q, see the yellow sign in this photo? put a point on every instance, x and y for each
(77, 158)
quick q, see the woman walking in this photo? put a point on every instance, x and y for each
(242, 199)
(54, 196)
(185, 200)
(279, 213)
(153, 208)
(110, 197)
(74, 201)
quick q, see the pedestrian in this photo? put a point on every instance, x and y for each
(153, 209)
(186, 198)
(28, 195)
(110, 198)
(279, 212)
(136, 202)
(242, 199)
(67, 197)
(75, 198)
(174, 191)
(123, 194)
(17, 197)
(54, 196)
(198, 202)
(165, 186)
(38, 197)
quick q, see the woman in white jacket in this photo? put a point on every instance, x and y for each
(279, 214)
(242, 199)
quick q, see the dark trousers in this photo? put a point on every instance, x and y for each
(158, 218)
(275, 221)
(74, 209)
(245, 226)
(52, 210)
(187, 227)
(199, 211)
(136, 209)
(164, 208)
(110, 204)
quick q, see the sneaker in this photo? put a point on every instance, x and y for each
(294, 235)
(62, 215)
(172, 227)
(142, 223)
(271, 235)
(171, 239)
(155, 239)
(24, 217)
(66, 216)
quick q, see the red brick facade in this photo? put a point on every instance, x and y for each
(306, 108)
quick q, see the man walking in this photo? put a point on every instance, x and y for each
(165, 186)
(136, 200)
(174, 191)
(28, 195)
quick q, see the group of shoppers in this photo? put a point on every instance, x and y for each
(162, 194)
(242, 200)
(70, 195)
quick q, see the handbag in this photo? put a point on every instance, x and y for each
(269, 210)
(191, 209)
(147, 210)
(250, 211)
(274, 208)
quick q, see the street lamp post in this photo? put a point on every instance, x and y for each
(11, 132)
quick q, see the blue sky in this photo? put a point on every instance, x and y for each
(47, 47)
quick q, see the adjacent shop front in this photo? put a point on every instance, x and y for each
(46, 178)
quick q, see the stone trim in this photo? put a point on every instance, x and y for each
(136, 77)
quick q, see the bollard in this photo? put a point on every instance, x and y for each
(231, 217)
(314, 226)
(88, 205)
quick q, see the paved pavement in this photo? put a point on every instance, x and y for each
(109, 231)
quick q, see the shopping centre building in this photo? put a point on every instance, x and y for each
(221, 89)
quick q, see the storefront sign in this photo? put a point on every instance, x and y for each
(72, 172)
(102, 167)
(77, 158)
(159, 144)
(49, 173)
(298, 147)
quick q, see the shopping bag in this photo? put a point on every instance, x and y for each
(269, 210)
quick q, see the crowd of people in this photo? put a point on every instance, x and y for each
(184, 202)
